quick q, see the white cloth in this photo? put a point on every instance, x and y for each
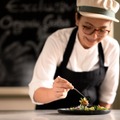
(80, 60)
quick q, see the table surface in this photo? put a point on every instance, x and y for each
(54, 115)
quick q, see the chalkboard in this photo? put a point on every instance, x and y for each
(24, 27)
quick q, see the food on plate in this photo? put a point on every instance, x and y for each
(88, 108)
(84, 101)
(84, 105)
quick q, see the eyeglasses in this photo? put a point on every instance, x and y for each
(89, 30)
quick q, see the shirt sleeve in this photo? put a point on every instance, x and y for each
(109, 86)
(45, 67)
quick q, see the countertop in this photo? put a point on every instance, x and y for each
(54, 115)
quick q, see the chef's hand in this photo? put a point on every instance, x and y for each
(61, 87)
(106, 105)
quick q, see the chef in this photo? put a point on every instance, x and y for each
(84, 57)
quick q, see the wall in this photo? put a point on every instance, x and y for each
(24, 27)
(18, 99)
(15, 99)
(117, 36)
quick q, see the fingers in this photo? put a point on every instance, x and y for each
(63, 83)
(61, 87)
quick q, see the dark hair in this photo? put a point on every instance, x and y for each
(78, 15)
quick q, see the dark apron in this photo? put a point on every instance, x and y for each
(86, 82)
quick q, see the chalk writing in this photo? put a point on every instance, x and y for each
(24, 27)
(15, 6)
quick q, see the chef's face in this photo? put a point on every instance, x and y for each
(92, 30)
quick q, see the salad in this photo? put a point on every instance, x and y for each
(84, 105)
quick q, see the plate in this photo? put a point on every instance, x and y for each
(82, 112)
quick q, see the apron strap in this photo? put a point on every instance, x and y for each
(101, 55)
(69, 48)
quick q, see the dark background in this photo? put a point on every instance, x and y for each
(24, 27)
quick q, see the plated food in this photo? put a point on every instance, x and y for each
(84, 101)
(88, 108)
(85, 109)
(84, 105)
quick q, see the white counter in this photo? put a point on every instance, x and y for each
(54, 115)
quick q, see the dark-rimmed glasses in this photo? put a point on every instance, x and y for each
(89, 30)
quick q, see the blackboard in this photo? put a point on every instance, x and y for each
(24, 27)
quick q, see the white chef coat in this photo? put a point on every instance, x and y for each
(81, 59)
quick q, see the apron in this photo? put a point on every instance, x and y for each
(86, 82)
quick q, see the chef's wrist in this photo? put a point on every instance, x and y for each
(106, 105)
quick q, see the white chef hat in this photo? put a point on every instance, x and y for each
(103, 9)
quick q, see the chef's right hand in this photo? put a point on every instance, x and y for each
(61, 87)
